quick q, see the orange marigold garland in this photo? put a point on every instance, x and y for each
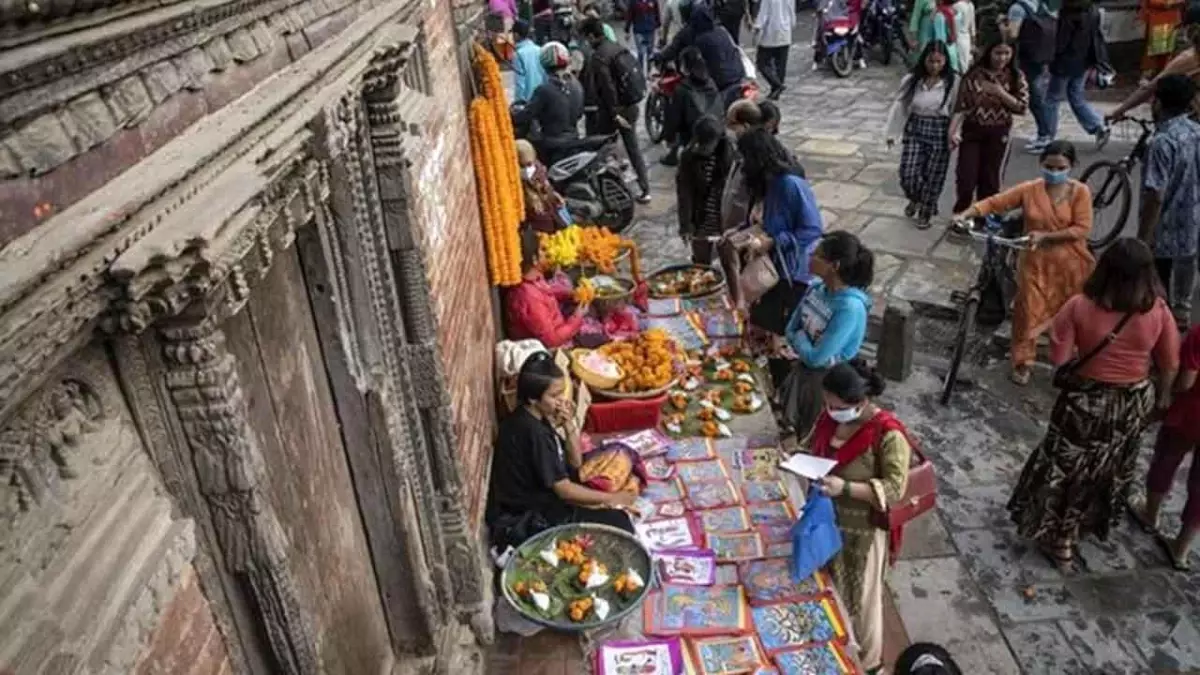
(501, 200)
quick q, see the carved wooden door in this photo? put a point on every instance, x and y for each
(309, 481)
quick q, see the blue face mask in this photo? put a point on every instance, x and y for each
(1055, 177)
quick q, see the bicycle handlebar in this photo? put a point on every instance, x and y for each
(1017, 243)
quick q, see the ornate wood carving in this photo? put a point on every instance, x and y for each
(395, 112)
(38, 448)
(203, 381)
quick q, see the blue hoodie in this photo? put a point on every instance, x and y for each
(828, 327)
(793, 220)
(527, 66)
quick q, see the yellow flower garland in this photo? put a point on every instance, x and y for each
(494, 154)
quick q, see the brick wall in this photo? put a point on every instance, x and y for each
(186, 641)
(452, 237)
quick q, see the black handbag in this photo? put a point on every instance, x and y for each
(1066, 376)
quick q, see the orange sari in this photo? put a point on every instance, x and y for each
(1049, 276)
(1162, 19)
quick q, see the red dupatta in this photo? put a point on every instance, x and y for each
(864, 439)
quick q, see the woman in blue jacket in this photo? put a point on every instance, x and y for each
(829, 325)
(791, 221)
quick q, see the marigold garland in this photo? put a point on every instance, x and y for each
(494, 154)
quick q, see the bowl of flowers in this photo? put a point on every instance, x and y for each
(577, 577)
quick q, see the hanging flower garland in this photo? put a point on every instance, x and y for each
(494, 154)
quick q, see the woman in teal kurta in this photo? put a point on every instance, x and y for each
(932, 20)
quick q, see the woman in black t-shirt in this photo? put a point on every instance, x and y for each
(534, 482)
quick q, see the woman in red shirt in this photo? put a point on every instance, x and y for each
(1179, 435)
(533, 305)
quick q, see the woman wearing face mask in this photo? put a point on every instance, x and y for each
(991, 93)
(534, 482)
(544, 207)
(1186, 62)
(873, 454)
(828, 327)
(1057, 218)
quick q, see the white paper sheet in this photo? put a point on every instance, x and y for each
(808, 466)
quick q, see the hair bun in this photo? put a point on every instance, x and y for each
(873, 382)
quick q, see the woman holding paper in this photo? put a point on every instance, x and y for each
(873, 454)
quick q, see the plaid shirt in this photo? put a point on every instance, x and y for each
(1173, 171)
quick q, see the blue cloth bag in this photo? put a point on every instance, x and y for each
(815, 536)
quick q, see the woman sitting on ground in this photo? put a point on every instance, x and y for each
(873, 457)
(534, 469)
(533, 306)
(828, 327)
(544, 207)
(1074, 483)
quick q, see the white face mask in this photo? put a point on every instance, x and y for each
(528, 171)
(846, 415)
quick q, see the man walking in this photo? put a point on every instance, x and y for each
(773, 31)
(617, 85)
(644, 22)
(732, 14)
(1032, 25)
(1170, 217)
(526, 64)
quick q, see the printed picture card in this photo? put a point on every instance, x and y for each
(687, 567)
(770, 581)
(640, 657)
(737, 655)
(788, 625)
(668, 534)
(647, 443)
(763, 491)
(696, 610)
(772, 513)
(659, 491)
(726, 519)
(736, 547)
(692, 450)
(658, 468)
(827, 658)
(712, 495)
(701, 472)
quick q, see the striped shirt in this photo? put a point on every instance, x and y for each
(985, 110)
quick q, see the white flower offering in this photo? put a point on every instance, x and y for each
(634, 578)
(597, 578)
(747, 378)
(692, 384)
(756, 402)
(540, 600)
(600, 607)
(674, 428)
(724, 430)
(550, 555)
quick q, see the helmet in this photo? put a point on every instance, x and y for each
(554, 56)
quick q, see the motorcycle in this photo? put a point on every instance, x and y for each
(664, 80)
(883, 27)
(556, 24)
(590, 178)
(837, 39)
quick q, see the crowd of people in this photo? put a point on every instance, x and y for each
(1119, 327)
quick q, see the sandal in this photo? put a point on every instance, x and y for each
(1137, 511)
(1180, 564)
(1021, 375)
(1062, 558)
(924, 222)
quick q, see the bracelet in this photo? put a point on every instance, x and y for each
(845, 488)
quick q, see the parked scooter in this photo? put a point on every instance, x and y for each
(837, 39)
(883, 27)
(589, 176)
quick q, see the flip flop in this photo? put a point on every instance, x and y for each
(1137, 510)
(1068, 565)
(1179, 564)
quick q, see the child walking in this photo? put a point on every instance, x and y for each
(920, 115)
(703, 169)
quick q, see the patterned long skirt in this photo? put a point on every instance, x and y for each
(1075, 481)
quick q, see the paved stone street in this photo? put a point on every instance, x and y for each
(965, 579)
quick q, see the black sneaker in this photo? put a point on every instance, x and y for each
(644, 198)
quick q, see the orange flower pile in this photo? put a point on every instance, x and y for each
(571, 552)
(585, 292)
(648, 361)
(494, 154)
(589, 568)
(599, 247)
(626, 585)
(578, 609)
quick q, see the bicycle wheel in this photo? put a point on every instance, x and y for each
(1112, 197)
(966, 326)
(656, 109)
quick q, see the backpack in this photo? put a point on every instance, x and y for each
(628, 78)
(1036, 38)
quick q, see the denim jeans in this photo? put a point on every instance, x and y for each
(1070, 88)
(645, 48)
(1034, 75)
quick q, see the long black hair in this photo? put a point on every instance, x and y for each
(536, 375)
(854, 262)
(919, 72)
(853, 381)
(984, 62)
(763, 159)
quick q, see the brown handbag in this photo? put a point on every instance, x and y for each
(920, 494)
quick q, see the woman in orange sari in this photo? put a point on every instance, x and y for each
(1058, 217)
(1162, 19)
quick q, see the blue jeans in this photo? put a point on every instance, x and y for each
(645, 48)
(1072, 89)
(1034, 75)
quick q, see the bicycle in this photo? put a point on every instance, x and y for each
(1115, 188)
(997, 267)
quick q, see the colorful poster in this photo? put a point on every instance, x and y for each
(737, 655)
(692, 450)
(826, 658)
(772, 513)
(701, 472)
(696, 610)
(689, 568)
(763, 491)
(663, 535)
(659, 491)
(640, 657)
(712, 495)
(735, 547)
(787, 625)
(727, 519)
(770, 580)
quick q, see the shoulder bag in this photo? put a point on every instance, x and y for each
(1066, 376)
(920, 492)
